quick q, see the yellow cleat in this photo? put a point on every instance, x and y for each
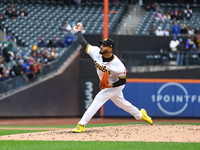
(79, 128)
(145, 117)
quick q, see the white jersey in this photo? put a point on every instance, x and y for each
(115, 67)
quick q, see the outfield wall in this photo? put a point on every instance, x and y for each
(161, 97)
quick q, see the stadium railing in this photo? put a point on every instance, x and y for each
(15, 83)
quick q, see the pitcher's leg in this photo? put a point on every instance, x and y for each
(98, 101)
(126, 105)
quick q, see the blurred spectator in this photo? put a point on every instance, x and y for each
(198, 40)
(194, 49)
(26, 65)
(189, 45)
(48, 58)
(13, 15)
(58, 43)
(7, 49)
(8, 43)
(174, 15)
(40, 58)
(20, 57)
(2, 18)
(78, 2)
(42, 42)
(190, 30)
(34, 49)
(2, 66)
(166, 32)
(9, 12)
(35, 56)
(5, 53)
(152, 31)
(19, 69)
(173, 44)
(63, 27)
(151, 7)
(196, 30)
(53, 52)
(176, 28)
(66, 27)
(180, 53)
(184, 29)
(50, 43)
(159, 31)
(22, 12)
(32, 71)
(5, 76)
(180, 16)
(188, 12)
(166, 17)
(73, 28)
(12, 6)
(68, 39)
(43, 54)
(159, 16)
(73, 2)
(164, 57)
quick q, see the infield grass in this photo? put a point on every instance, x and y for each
(97, 145)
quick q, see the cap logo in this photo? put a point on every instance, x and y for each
(105, 39)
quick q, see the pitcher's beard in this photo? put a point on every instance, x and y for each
(104, 52)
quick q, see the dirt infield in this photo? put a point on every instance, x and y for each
(131, 132)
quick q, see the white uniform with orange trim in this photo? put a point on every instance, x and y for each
(116, 70)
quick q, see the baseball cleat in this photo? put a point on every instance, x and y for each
(145, 117)
(79, 128)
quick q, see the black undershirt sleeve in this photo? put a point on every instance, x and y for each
(119, 82)
(81, 40)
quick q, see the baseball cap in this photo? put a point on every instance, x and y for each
(34, 47)
(108, 42)
(8, 37)
(6, 72)
(41, 38)
(20, 55)
(20, 61)
(180, 40)
(174, 37)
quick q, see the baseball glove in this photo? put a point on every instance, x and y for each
(104, 81)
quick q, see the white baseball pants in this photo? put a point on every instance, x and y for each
(116, 95)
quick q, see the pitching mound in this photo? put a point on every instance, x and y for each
(154, 133)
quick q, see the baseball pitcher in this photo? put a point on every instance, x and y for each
(112, 75)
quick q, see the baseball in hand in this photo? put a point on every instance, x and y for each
(79, 27)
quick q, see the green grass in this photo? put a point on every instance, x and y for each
(88, 126)
(92, 145)
(97, 145)
(18, 131)
(9, 132)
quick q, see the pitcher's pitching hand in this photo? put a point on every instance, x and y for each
(79, 27)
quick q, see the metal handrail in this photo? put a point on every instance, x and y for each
(141, 58)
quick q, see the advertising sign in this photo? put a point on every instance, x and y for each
(161, 97)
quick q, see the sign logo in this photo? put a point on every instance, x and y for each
(170, 94)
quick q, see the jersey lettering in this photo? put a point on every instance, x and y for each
(102, 68)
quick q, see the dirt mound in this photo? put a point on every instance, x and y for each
(153, 133)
